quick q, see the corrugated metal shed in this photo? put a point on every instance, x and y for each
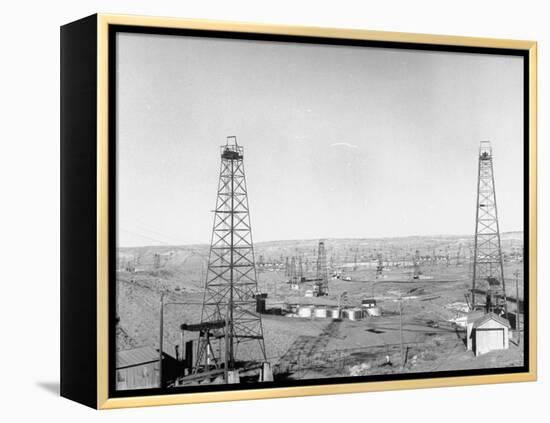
(136, 357)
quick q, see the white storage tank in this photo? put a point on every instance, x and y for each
(321, 312)
(374, 311)
(355, 314)
(335, 313)
(304, 311)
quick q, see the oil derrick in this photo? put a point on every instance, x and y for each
(379, 266)
(229, 313)
(131, 266)
(292, 276)
(156, 261)
(287, 268)
(321, 282)
(300, 269)
(488, 269)
(458, 255)
(416, 265)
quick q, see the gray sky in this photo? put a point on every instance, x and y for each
(339, 141)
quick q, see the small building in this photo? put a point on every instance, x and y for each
(374, 312)
(260, 303)
(468, 322)
(137, 368)
(368, 303)
(487, 333)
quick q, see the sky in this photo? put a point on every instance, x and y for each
(340, 141)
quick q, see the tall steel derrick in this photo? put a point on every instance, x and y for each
(488, 266)
(229, 303)
(320, 288)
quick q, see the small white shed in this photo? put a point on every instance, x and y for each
(469, 321)
(489, 333)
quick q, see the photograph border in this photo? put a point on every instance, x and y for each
(107, 26)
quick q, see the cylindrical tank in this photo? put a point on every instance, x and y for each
(335, 313)
(354, 314)
(304, 311)
(374, 311)
(321, 312)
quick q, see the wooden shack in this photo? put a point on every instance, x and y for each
(488, 333)
(137, 368)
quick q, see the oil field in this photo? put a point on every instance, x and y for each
(235, 311)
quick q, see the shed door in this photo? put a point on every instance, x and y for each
(494, 339)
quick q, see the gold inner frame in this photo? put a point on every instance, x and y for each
(103, 400)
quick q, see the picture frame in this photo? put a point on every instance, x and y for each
(89, 193)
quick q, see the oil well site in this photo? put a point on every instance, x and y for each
(236, 311)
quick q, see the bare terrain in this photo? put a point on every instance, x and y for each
(322, 347)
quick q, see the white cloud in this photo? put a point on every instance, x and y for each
(344, 144)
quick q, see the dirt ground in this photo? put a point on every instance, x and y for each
(312, 348)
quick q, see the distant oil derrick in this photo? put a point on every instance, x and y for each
(287, 268)
(488, 266)
(229, 317)
(416, 265)
(380, 265)
(459, 255)
(300, 270)
(293, 276)
(320, 287)
(156, 261)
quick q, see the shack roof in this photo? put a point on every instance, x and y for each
(472, 316)
(491, 316)
(136, 356)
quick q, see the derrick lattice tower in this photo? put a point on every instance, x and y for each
(488, 286)
(416, 265)
(320, 287)
(229, 304)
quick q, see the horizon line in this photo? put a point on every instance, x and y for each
(321, 238)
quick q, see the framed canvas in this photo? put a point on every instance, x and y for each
(364, 248)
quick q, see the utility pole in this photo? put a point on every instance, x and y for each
(401, 330)
(516, 274)
(161, 336)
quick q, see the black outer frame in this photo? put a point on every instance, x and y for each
(79, 207)
(79, 211)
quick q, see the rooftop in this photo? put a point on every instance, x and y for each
(136, 356)
(491, 316)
